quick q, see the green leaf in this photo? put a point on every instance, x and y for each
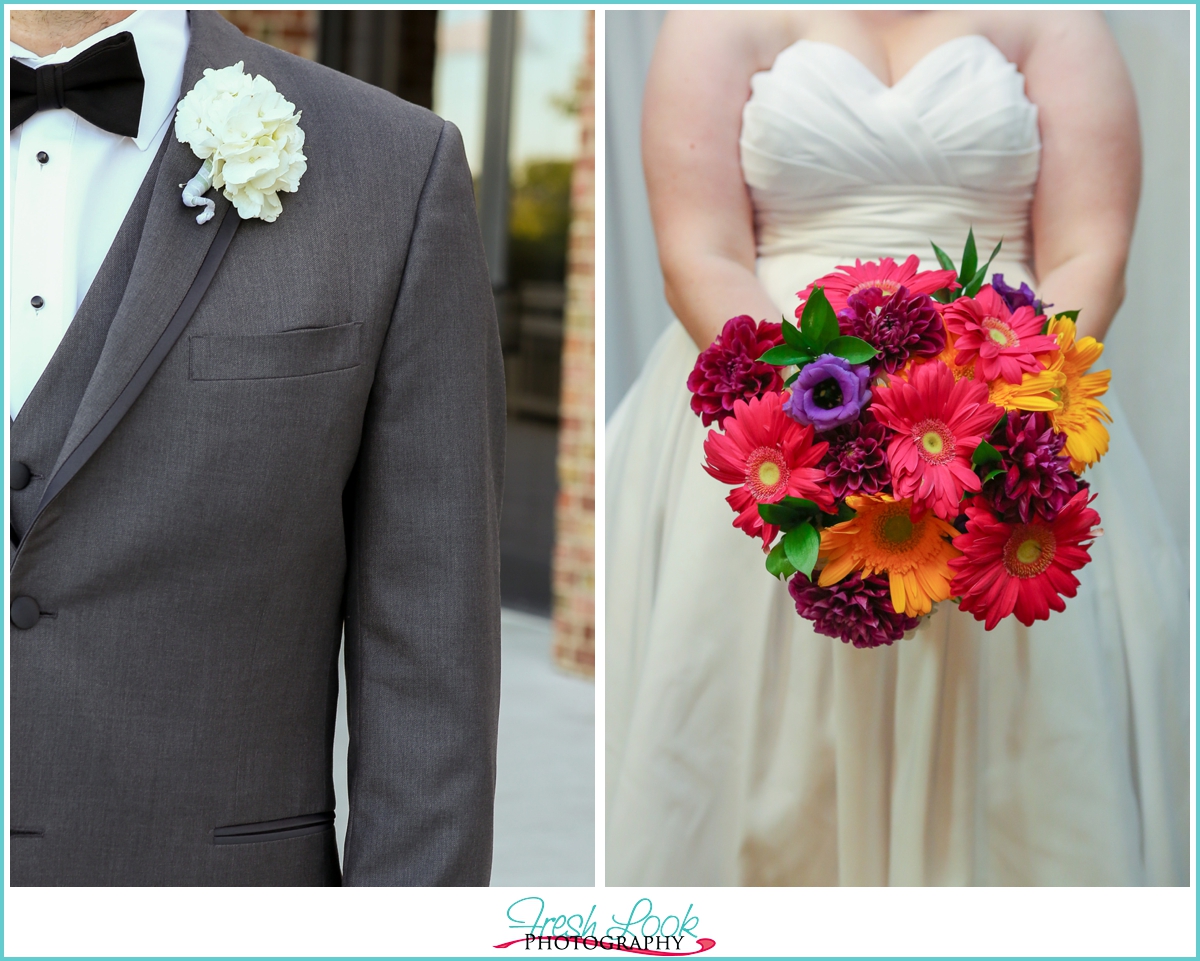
(854, 349)
(801, 547)
(943, 296)
(781, 515)
(818, 323)
(994, 472)
(791, 336)
(943, 257)
(777, 563)
(985, 453)
(1071, 315)
(784, 355)
(788, 382)
(995, 250)
(789, 512)
(839, 514)
(970, 260)
(980, 275)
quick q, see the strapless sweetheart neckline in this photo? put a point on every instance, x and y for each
(840, 164)
(921, 63)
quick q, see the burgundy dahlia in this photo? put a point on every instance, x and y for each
(729, 368)
(899, 326)
(857, 610)
(1038, 479)
(856, 462)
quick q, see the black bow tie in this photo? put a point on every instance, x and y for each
(103, 85)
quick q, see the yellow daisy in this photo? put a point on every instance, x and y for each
(1079, 414)
(1038, 391)
(883, 537)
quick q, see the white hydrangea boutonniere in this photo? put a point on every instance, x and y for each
(249, 138)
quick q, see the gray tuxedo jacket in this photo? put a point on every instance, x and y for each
(252, 434)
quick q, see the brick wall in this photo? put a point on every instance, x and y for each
(292, 30)
(575, 513)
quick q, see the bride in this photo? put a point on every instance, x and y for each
(743, 748)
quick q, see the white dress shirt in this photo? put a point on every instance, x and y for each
(71, 185)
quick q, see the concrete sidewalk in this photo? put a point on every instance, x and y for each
(545, 783)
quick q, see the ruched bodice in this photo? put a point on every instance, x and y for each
(841, 165)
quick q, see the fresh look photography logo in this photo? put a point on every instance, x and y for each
(640, 930)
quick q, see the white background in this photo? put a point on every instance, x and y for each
(742, 921)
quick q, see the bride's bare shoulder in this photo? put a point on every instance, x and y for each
(1023, 34)
(751, 37)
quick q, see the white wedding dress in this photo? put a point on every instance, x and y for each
(743, 748)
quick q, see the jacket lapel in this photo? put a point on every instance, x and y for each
(176, 260)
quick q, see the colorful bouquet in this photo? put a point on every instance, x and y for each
(918, 437)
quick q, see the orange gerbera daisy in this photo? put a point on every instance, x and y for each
(884, 538)
(949, 354)
(1079, 414)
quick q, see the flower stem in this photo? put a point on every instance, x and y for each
(194, 190)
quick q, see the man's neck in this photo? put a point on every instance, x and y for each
(47, 31)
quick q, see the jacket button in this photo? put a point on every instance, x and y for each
(18, 476)
(25, 612)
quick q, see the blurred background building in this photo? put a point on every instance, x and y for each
(519, 86)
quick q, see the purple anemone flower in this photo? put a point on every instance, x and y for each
(858, 610)
(829, 392)
(1015, 297)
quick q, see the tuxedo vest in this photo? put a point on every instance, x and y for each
(41, 427)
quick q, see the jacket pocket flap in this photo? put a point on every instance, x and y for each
(274, 830)
(293, 353)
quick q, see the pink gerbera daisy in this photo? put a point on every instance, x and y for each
(999, 342)
(767, 456)
(1021, 568)
(886, 276)
(938, 423)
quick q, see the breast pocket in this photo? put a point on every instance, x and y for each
(293, 353)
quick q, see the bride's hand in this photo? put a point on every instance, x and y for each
(698, 83)
(1087, 191)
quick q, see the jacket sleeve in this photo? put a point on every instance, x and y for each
(423, 562)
